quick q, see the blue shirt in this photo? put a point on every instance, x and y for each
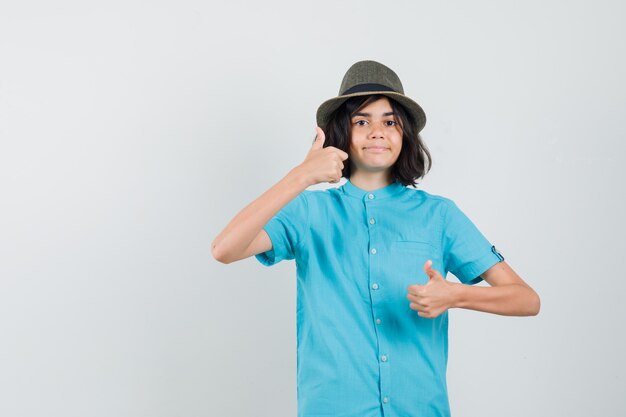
(362, 352)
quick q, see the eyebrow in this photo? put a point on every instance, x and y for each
(370, 115)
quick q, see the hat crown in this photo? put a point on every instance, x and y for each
(370, 72)
(366, 78)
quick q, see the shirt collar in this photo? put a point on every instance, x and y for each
(381, 193)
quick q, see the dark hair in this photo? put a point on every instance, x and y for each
(414, 160)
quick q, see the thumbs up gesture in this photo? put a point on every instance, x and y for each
(322, 164)
(433, 298)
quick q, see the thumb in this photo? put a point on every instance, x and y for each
(318, 143)
(432, 273)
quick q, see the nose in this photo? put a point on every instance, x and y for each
(376, 131)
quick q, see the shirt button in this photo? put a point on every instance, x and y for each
(383, 358)
(372, 221)
(378, 321)
(385, 400)
(370, 196)
(373, 251)
(374, 286)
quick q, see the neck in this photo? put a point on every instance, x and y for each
(370, 181)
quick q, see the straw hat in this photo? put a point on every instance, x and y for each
(370, 77)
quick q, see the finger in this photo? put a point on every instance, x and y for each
(415, 299)
(338, 163)
(320, 137)
(432, 273)
(416, 307)
(428, 268)
(415, 289)
(421, 311)
(341, 154)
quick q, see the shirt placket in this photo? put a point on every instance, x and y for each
(377, 289)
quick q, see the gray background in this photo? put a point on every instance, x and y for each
(132, 132)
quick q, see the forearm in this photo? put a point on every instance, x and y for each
(506, 300)
(231, 243)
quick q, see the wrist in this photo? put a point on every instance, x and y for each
(298, 176)
(458, 295)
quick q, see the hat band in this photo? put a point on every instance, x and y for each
(361, 88)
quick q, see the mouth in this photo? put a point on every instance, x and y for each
(376, 149)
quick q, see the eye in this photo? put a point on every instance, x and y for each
(391, 123)
(360, 122)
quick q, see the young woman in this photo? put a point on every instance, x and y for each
(372, 256)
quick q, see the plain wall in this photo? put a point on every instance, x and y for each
(132, 132)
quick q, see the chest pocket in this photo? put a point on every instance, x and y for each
(409, 258)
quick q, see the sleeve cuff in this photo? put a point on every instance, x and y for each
(269, 258)
(470, 272)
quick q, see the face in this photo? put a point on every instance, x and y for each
(376, 138)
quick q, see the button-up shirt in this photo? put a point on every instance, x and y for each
(361, 351)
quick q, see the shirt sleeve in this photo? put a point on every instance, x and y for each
(287, 230)
(467, 253)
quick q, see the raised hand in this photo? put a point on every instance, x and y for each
(433, 298)
(322, 164)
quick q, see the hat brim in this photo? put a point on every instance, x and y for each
(325, 110)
